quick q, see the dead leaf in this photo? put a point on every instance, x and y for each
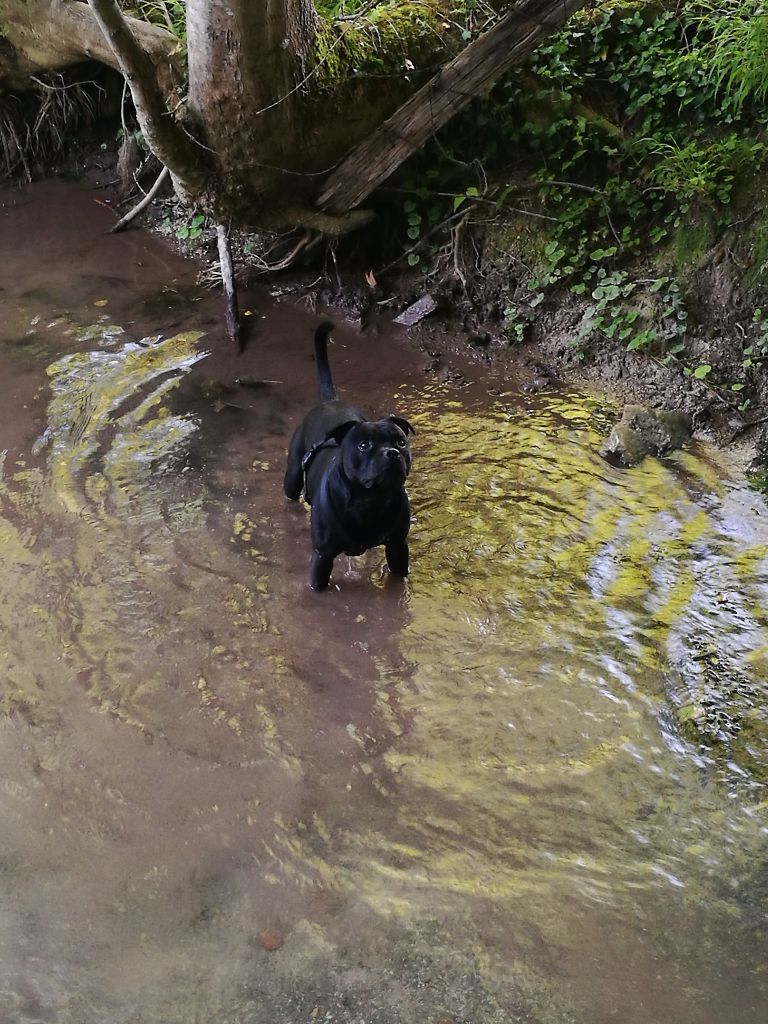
(270, 940)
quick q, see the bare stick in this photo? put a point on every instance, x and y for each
(231, 312)
(747, 426)
(126, 220)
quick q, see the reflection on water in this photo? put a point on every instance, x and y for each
(475, 799)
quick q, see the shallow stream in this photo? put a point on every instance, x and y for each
(474, 798)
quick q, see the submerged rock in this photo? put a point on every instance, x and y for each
(642, 431)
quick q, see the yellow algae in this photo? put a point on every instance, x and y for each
(694, 528)
(749, 559)
(678, 601)
(89, 392)
(710, 471)
(15, 547)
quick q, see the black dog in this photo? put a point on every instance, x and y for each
(352, 472)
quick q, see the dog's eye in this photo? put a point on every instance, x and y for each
(363, 446)
(402, 443)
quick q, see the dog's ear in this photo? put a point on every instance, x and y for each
(340, 432)
(404, 425)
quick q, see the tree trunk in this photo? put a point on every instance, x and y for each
(246, 64)
(261, 100)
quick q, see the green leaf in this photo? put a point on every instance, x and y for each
(413, 259)
(701, 371)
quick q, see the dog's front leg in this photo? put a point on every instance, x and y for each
(397, 557)
(320, 570)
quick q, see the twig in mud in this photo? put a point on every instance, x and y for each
(745, 427)
(126, 220)
(231, 311)
(332, 251)
(456, 232)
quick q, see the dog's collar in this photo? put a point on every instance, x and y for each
(329, 442)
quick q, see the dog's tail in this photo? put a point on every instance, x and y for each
(327, 387)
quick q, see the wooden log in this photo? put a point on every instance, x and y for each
(465, 77)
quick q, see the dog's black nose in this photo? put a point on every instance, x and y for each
(392, 453)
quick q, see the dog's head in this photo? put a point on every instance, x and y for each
(375, 453)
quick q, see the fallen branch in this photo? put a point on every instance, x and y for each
(481, 62)
(57, 35)
(126, 220)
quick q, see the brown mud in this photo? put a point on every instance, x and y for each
(465, 797)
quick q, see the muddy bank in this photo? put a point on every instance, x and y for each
(490, 322)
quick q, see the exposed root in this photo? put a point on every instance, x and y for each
(250, 262)
(307, 241)
(36, 127)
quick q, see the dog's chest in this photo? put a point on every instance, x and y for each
(361, 520)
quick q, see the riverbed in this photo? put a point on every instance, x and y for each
(469, 798)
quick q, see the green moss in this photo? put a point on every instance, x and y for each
(758, 480)
(382, 41)
(693, 237)
(756, 273)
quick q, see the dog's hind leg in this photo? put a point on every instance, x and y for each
(293, 481)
